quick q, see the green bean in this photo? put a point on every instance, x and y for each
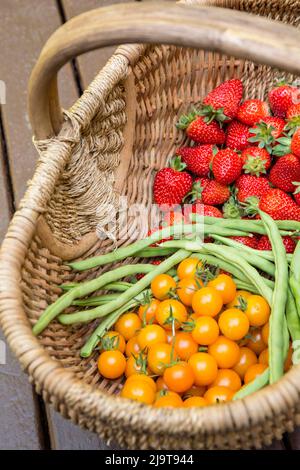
(290, 225)
(105, 325)
(225, 265)
(293, 321)
(278, 305)
(259, 382)
(120, 286)
(245, 286)
(98, 312)
(97, 300)
(153, 252)
(294, 280)
(86, 288)
(268, 255)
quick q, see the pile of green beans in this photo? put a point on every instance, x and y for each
(272, 274)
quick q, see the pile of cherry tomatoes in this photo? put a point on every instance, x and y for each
(192, 343)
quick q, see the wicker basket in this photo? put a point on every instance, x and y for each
(111, 142)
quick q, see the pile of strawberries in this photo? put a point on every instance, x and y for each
(241, 155)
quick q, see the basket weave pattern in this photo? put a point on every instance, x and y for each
(136, 98)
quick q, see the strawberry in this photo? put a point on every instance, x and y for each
(255, 160)
(281, 98)
(293, 119)
(265, 133)
(197, 159)
(200, 130)
(285, 171)
(264, 244)
(215, 193)
(279, 205)
(225, 98)
(293, 111)
(297, 192)
(252, 111)
(237, 135)
(172, 184)
(288, 145)
(226, 166)
(202, 210)
(251, 242)
(172, 217)
(249, 186)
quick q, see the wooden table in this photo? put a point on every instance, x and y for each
(26, 423)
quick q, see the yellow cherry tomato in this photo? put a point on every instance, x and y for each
(225, 352)
(184, 345)
(168, 399)
(111, 364)
(227, 378)
(186, 288)
(179, 377)
(255, 342)
(253, 372)
(240, 298)
(204, 368)
(188, 268)
(159, 356)
(195, 391)
(194, 402)
(148, 310)
(234, 324)
(265, 333)
(205, 330)
(136, 365)
(207, 301)
(258, 310)
(128, 325)
(161, 384)
(150, 335)
(246, 359)
(264, 357)
(112, 340)
(161, 286)
(132, 347)
(225, 285)
(215, 395)
(142, 378)
(171, 313)
(139, 391)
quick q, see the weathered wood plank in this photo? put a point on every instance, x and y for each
(25, 28)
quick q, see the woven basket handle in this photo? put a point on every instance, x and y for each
(217, 29)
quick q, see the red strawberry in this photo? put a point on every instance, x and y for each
(172, 184)
(237, 136)
(215, 193)
(281, 98)
(172, 217)
(264, 244)
(285, 171)
(197, 159)
(252, 111)
(279, 205)
(249, 186)
(201, 131)
(211, 211)
(297, 192)
(248, 241)
(265, 133)
(226, 96)
(255, 160)
(288, 144)
(295, 144)
(293, 119)
(202, 210)
(226, 166)
(293, 111)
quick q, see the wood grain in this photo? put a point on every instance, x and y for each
(26, 25)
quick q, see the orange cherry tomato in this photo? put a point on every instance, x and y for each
(265, 333)
(111, 364)
(207, 301)
(253, 372)
(179, 378)
(195, 391)
(246, 359)
(148, 310)
(227, 378)
(186, 288)
(132, 347)
(138, 390)
(184, 345)
(264, 357)
(136, 365)
(234, 324)
(194, 402)
(161, 286)
(225, 286)
(151, 334)
(258, 310)
(215, 395)
(171, 312)
(168, 399)
(205, 331)
(159, 356)
(161, 384)
(112, 340)
(128, 325)
(188, 268)
(225, 351)
(204, 368)
(288, 361)
(142, 378)
(240, 298)
(256, 342)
